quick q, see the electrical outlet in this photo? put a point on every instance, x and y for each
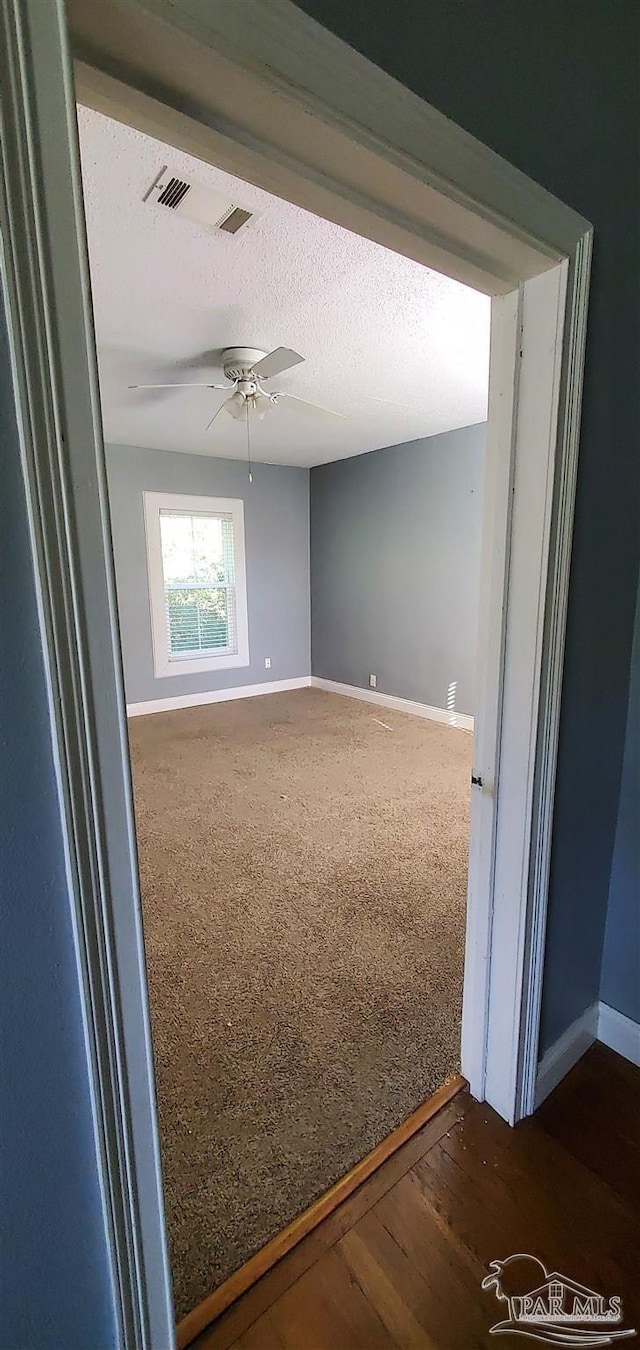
(267, 663)
(373, 681)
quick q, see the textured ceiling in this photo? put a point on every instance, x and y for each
(168, 296)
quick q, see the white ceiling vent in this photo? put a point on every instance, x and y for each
(199, 204)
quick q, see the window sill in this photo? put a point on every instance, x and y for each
(199, 664)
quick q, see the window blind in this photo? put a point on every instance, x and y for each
(199, 583)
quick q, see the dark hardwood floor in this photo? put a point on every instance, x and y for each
(401, 1263)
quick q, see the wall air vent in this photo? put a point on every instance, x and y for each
(199, 204)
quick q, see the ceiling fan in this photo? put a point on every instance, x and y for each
(246, 368)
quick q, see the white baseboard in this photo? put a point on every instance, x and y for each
(619, 1032)
(566, 1051)
(405, 705)
(598, 1023)
(216, 696)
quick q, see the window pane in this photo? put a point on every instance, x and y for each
(199, 620)
(196, 548)
(197, 552)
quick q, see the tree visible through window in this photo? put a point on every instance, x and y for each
(199, 583)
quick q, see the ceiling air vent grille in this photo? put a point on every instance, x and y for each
(202, 205)
(174, 193)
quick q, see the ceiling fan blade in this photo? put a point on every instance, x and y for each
(314, 407)
(392, 402)
(216, 414)
(179, 385)
(281, 358)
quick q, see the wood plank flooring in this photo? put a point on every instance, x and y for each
(263, 1260)
(401, 1263)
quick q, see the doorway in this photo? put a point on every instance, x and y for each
(536, 372)
(302, 835)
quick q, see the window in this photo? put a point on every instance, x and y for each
(197, 583)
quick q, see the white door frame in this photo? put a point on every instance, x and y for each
(260, 89)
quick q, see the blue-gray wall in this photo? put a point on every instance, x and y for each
(395, 559)
(620, 979)
(276, 507)
(553, 86)
(55, 1285)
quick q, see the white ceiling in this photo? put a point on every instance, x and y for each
(168, 296)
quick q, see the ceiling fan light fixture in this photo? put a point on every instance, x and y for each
(235, 405)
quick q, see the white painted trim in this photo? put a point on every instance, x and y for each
(552, 624)
(157, 705)
(620, 1033)
(46, 277)
(164, 665)
(405, 705)
(565, 1052)
(504, 376)
(516, 792)
(284, 102)
(598, 1023)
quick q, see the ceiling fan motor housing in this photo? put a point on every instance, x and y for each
(238, 362)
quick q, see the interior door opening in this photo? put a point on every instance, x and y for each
(414, 182)
(297, 548)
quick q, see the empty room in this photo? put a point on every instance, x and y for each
(294, 419)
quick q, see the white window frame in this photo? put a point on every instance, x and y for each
(164, 664)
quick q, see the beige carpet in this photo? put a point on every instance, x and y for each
(303, 880)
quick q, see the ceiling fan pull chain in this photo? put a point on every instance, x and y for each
(249, 443)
